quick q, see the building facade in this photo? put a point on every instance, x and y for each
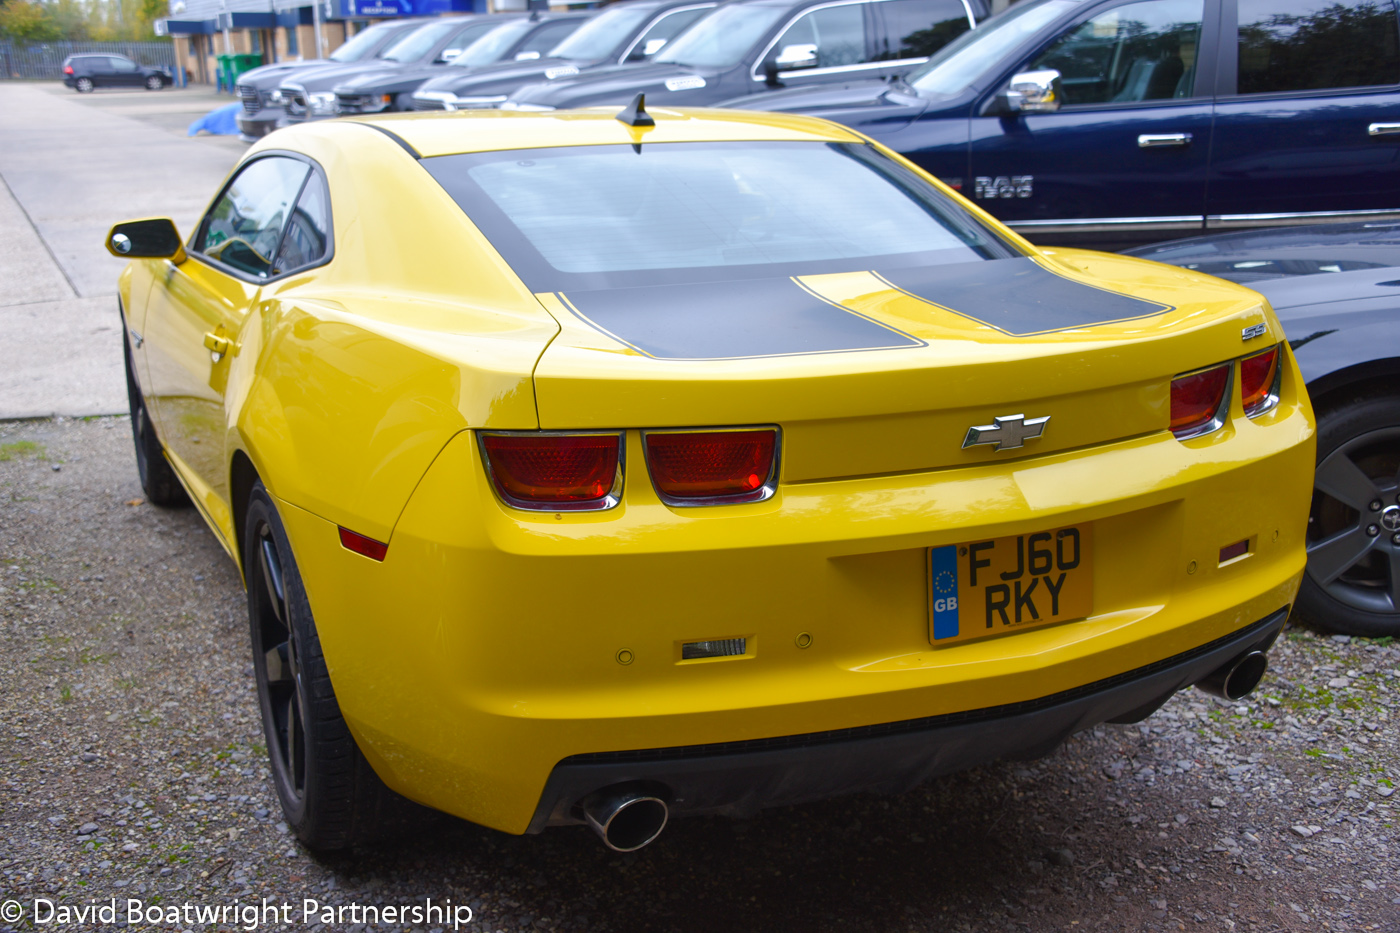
(285, 30)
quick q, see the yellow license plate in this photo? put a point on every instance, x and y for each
(1009, 584)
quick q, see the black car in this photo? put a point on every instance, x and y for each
(748, 46)
(260, 92)
(1109, 122)
(626, 32)
(528, 39)
(434, 43)
(85, 73)
(1336, 289)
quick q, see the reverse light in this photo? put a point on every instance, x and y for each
(555, 472)
(1199, 400)
(712, 467)
(368, 547)
(1259, 378)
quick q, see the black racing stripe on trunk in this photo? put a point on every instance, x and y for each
(1019, 297)
(731, 320)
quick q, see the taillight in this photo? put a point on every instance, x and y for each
(712, 467)
(68, 69)
(1198, 401)
(1259, 381)
(555, 472)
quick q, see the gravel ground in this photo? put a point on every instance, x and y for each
(131, 766)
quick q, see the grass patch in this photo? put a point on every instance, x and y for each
(18, 449)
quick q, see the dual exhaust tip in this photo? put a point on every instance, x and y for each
(628, 818)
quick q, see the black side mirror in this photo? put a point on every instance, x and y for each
(770, 74)
(156, 238)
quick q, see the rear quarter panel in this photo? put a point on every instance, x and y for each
(352, 377)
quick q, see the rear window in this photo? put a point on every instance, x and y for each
(1304, 45)
(605, 216)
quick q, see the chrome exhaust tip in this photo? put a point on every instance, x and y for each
(1236, 680)
(626, 820)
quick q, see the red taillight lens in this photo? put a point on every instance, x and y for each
(68, 69)
(1258, 374)
(1196, 400)
(554, 471)
(727, 466)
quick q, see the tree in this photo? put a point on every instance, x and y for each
(25, 21)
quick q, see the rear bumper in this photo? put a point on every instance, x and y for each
(491, 647)
(739, 778)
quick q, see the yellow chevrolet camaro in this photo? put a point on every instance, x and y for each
(588, 467)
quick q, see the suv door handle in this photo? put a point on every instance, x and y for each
(1155, 141)
(1383, 129)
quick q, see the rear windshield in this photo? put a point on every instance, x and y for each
(609, 216)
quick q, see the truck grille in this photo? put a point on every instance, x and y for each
(252, 102)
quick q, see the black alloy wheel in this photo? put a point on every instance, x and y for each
(154, 83)
(158, 480)
(84, 85)
(1352, 584)
(276, 660)
(330, 796)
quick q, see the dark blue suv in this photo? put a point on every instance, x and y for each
(1082, 121)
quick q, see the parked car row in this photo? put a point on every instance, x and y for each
(687, 52)
(1082, 122)
(1078, 121)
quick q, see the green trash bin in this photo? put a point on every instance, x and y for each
(231, 66)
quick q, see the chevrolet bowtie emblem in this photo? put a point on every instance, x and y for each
(1008, 433)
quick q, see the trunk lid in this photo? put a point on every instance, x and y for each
(885, 371)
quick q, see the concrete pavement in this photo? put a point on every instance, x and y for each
(72, 166)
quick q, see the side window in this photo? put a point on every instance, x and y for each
(826, 38)
(1137, 51)
(99, 65)
(245, 226)
(1317, 44)
(307, 239)
(547, 37)
(918, 28)
(122, 66)
(664, 30)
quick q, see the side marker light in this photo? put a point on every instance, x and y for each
(368, 547)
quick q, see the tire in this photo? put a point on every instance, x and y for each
(330, 796)
(83, 85)
(1352, 584)
(154, 83)
(158, 479)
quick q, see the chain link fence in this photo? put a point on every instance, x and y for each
(44, 60)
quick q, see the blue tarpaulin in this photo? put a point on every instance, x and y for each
(221, 122)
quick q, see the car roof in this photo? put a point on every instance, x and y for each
(430, 134)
